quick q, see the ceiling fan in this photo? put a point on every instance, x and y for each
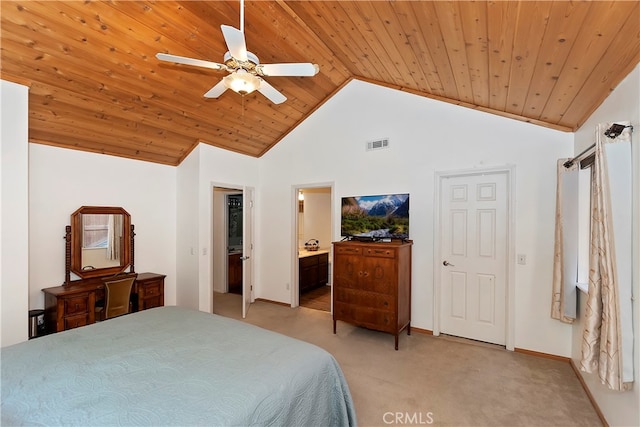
(246, 72)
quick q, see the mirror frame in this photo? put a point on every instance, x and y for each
(76, 242)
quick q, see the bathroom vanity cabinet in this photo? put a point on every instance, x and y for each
(313, 270)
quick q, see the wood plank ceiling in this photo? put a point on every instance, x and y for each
(95, 84)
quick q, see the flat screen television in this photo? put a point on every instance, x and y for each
(375, 217)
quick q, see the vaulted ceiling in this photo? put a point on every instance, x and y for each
(95, 84)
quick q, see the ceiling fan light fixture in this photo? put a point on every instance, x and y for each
(242, 82)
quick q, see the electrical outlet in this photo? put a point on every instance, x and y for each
(287, 286)
(522, 259)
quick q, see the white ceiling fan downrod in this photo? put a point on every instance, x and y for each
(242, 15)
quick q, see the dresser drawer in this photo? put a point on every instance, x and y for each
(365, 299)
(380, 286)
(151, 302)
(380, 252)
(380, 320)
(76, 304)
(385, 287)
(76, 321)
(150, 289)
(348, 250)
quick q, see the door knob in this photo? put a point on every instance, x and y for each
(446, 264)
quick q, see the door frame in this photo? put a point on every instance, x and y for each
(294, 294)
(509, 171)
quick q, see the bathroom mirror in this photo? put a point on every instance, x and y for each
(100, 241)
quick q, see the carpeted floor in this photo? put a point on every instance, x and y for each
(430, 380)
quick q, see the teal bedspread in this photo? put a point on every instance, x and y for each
(171, 366)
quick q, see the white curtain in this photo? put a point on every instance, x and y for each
(114, 236)
(565, 264)
(607, 340)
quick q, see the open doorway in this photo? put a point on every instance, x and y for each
(313, 225)
(228, 252)
(234, 207)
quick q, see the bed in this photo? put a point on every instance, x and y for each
(172, 366)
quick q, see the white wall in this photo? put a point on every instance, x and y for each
(205, 168)
(425, 136)
(317, 216)
(62, 180)
(14, 214)
(623, 104)
(187, 226)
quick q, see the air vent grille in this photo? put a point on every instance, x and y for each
(378, 144)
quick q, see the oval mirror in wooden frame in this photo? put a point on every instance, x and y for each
(100, 241)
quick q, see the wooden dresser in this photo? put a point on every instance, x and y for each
(372, 285)
(73, 305)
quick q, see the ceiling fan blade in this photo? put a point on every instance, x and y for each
(301, 69)
(271, 93)
(190, 61)
(216, 91)
(235, 42)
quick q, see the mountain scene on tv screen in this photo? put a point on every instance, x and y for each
(376, 216)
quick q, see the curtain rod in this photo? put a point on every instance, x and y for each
(569, 163)
(613, 132)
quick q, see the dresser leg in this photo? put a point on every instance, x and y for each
(334, 327)
(396, 342)
(409, 328)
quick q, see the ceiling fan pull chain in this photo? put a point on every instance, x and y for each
(242, 15)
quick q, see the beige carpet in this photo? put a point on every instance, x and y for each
(430, 380)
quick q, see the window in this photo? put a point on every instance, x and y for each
(584, 226)
(95, 231)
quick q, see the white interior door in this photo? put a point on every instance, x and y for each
(473, 248)
(247, 249)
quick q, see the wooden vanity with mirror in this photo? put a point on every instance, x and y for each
(99, 244)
